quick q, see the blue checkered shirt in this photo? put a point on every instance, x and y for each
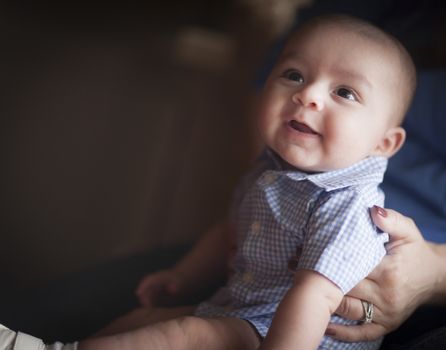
(321, 218)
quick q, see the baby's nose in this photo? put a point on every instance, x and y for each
(309, 98)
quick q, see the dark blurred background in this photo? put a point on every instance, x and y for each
(121, 129)
(125, 126)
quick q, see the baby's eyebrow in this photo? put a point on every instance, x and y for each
(290, 56)
(357, 78)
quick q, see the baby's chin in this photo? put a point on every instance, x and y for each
(292, 164)
(295, 158)
(301, 161)
(306, 167)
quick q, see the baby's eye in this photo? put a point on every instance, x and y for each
(294, 76)
(346, 93)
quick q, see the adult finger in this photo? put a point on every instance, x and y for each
(367, 289)
(363, 332)
(398, 226)
(350, 308)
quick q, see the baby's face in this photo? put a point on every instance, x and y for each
(330, 100)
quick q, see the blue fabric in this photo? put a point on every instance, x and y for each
(322, 218)
(415, 182)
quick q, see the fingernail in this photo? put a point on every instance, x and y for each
(330, 332)
(381, 211)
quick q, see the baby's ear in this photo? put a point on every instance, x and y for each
(391, 142)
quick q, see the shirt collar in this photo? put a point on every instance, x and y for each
(368, 170)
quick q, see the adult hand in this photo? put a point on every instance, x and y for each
(158, 287)
(404, 280)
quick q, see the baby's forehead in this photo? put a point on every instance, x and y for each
(365, 43)
(377, 47)
(366, 34)
(336, 38)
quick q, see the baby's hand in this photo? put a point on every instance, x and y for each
(155, 287)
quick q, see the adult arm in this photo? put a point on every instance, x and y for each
(412, 274)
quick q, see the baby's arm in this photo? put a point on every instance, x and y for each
(201, 269)
(304, 313)
(206, 264)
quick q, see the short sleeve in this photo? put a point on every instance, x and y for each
(341, 242)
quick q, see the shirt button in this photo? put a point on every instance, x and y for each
(255, 227)
(269, 178)
(247, 277)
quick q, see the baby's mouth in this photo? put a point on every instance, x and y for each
(301, 127)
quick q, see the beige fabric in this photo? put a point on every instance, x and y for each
(10, 340)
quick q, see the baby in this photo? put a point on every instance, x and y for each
(330, 116)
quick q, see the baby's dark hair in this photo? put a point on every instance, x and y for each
(371, 32)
